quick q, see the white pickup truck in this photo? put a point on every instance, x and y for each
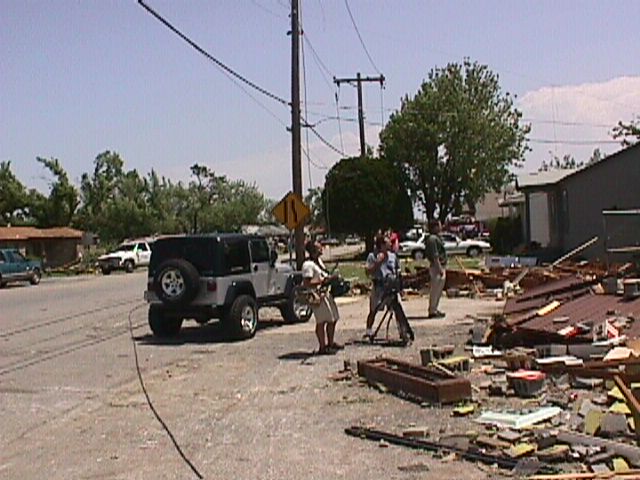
(127, 256)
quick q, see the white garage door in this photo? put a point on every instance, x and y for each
(539, 218)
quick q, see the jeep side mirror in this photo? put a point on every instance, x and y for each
(273, 257)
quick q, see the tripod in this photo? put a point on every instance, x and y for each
(393, 309)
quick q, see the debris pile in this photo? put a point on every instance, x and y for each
(551, 385)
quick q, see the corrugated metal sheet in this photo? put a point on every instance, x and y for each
(537, 297)
(588, 308)
(30, 233)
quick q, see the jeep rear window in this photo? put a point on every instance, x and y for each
(236, 254)
(202, 252)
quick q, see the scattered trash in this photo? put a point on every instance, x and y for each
(518, 420)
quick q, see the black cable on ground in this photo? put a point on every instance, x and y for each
(146, 395)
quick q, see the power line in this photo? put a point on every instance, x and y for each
(337, 96)
(322, 139)
(265, 9)
(324, 71)
(150, 403)
(572, 142)
(566, 123)
(200, 50)
(360, 37)
(304, 84)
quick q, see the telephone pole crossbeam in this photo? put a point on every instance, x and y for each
(358, 80)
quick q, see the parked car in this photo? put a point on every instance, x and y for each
(15, 268)
(329, 241)
(220, 276)
(466, 227)
(453, 244)
(352, 240)
(127, 256)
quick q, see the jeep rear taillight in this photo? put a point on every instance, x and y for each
(212, 286)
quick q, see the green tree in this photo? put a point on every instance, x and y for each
(627, 133)
(218, 204)
(313, 199)
(98, 192)
(13, 196)
(58, 209)
(456, 139)
(363, 195)
(567, 162)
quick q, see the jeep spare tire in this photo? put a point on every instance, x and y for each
(176, 282)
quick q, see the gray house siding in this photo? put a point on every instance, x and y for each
(575, 203)
(613, 183)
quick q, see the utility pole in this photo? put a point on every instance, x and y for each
(358, 81)
(296, 163)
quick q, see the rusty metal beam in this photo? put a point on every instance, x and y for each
(473, 455)
(631, 401)
(418, 382)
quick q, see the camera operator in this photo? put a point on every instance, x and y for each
(382, 263)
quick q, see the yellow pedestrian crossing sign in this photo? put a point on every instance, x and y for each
(291, 211)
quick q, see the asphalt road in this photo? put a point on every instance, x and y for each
(71, 405)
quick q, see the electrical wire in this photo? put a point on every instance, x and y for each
(150, 403)
(265, 9)
(565, 123)
(323, 140)
(203, 52)
(324, 71)
(306, 114)
(319, 166)
(337, 97)
(572, 142)
(381, 103)
(360, 37)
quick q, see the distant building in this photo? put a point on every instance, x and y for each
(564, 208)
(55, 246)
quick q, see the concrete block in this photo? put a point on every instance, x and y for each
(416, 432)
(555, 453)
(613, 425)
(592, 421)
(436, 352)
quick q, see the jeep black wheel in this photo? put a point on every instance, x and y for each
(129, 266)
(35, 277)
(241, 320)
(163, 325)
(297, 309)
(176, 282)
(105, 270)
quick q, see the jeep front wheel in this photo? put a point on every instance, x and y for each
(129, 266)
(163, 325)
(241, 320)
(297, 309)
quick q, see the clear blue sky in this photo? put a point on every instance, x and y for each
(81, 77)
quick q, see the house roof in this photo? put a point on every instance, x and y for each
(539, 179)
(30, 233)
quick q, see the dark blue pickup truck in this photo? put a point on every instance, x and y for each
(15, 268)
